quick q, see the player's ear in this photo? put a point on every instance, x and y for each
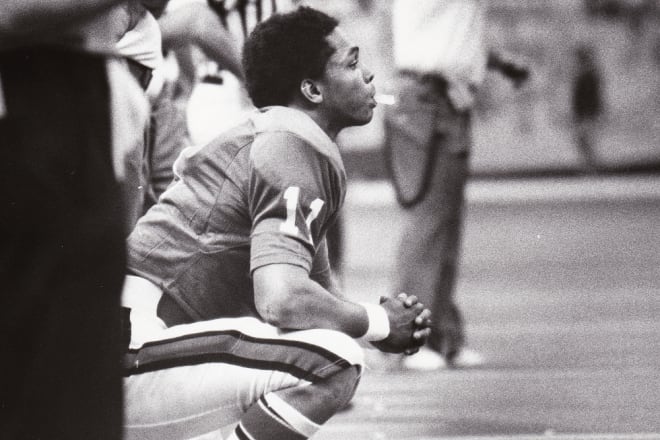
(310, 91)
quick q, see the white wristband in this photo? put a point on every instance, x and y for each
(379, 323)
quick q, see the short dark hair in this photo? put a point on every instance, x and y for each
(282, 51)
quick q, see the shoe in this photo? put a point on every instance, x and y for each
(466, 358)
(429, 360)
(424, 360)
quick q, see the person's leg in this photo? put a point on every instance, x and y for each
(429, 251)
(584, 140)
(297, 412)
(430, 244)
(200, 377)
(448, 325)
(62, 257)
(414, 167)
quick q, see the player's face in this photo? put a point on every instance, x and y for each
(347, 85)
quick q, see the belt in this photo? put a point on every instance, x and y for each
(432, 78)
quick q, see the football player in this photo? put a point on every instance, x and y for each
(234, 314)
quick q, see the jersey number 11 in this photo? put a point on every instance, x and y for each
(292, 197)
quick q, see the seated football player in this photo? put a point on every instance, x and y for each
(235, 319)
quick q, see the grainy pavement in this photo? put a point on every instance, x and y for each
(560, 288)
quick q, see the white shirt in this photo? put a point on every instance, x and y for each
(444, 37)
(143, 43)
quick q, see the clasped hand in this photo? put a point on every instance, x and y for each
(409, 324)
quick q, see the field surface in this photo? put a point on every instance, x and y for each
(559, 285)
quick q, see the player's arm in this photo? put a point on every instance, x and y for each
(322, 273)
(197, 24)
(286, 297)
(291, 199)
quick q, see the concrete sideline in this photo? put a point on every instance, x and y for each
(380, 193)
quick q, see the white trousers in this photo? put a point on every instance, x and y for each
(192, 379)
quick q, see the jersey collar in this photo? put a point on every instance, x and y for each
(278, 118)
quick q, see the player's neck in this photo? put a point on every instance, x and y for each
(320, 118)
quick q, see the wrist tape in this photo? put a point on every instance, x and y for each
(379, 323)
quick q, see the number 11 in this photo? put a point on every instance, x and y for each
(292, 196)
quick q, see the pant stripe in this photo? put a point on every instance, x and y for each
(302, 360)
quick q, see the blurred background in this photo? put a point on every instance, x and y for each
(525, 131)
(529, 130)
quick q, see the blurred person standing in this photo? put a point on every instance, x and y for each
(191, 25)
(587, 106)
(166, 28)
(210, 77)
(68, 113)
(159, 29)
(441, 58)
(141, 48)
(176, 27)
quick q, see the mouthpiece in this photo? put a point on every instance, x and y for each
(385, 99)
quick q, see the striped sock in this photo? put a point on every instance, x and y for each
(273, 418)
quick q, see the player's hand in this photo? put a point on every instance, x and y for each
(406, 335)
(423, 322)
(423, 319)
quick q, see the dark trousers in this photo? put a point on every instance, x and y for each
(429, 144)
(62, 252)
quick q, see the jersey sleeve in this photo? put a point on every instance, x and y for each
(294, 195)
(321, 271)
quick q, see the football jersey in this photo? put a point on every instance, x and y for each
(264, 192)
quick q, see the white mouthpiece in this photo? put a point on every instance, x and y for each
(385, 99)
